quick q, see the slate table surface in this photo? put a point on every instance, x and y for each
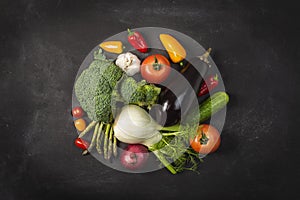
(255, 45)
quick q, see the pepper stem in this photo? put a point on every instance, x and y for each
(130, 32)
(205, 56)
(216, 77)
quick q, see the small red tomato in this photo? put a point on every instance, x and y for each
(81, 143)
(77, 112)
(80, 124)
(207, 140)
(155, 68)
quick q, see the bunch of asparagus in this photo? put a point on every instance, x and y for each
(103, 139)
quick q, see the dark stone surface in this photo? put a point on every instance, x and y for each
(256, 45)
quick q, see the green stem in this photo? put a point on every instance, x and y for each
(163, 160)
(130, 32)
(171, 134)
(162, 139)
(171, 128)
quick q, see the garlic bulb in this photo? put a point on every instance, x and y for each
(129, 63)
(135, 126)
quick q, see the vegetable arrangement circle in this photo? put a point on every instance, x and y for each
(149, 98)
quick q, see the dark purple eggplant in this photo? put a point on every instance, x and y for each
(179, 97)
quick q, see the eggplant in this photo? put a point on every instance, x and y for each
(179, 97)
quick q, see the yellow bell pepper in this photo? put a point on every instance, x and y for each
(112, 46)
(175, 50)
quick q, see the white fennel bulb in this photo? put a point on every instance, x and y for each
(135, 126)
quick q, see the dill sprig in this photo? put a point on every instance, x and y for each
(174, 151)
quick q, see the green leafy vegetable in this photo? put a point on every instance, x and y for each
(138, 93)
(94, 86)
(173, 149)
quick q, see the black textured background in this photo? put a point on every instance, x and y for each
(255, 45)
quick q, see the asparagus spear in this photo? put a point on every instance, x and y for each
(94, 137)
(115, 150)
(87, 129)
(106, 141)
(84, 152)
(110, 144)
(98, 141)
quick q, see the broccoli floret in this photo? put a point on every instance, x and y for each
(100, 66)
(103, 86)
(138, 97)
(103, 107)
(151, 93)
(139, 93)
(94, 86)
(113, 74)
(127, 87)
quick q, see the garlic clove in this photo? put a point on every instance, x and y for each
(129, 63)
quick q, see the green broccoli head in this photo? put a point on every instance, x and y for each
(94, 86)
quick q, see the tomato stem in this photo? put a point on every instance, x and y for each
(156, 65)
(204, 139)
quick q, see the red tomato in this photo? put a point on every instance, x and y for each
(207, 140)
(80, 124)
(155, 68)
(77, 112)
(82, 144)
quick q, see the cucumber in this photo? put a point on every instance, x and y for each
(212, 105)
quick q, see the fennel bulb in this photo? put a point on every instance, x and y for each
(135, 126)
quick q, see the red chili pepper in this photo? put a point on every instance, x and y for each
(137, 41)
(210, 83)
(82, 144)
